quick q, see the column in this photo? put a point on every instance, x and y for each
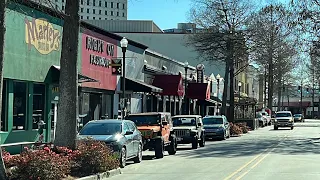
(10, 104)
(29, 114)
(47, 114)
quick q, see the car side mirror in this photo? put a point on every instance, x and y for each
(164, 123)
(129, 132)
(199, 124)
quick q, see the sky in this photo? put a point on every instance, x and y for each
(165, 13)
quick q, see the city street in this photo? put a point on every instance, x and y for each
(262, 154)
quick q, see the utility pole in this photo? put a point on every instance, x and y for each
(301, 98)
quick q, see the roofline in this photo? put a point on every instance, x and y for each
(109, 34)
(168, 58)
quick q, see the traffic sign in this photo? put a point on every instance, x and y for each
(116, 65)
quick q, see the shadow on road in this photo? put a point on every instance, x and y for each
(254, 147)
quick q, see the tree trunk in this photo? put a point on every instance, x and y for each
(279, 93)
(67, 109)
(2, 35)
(270, 70)
(231, 112)
(225, 90)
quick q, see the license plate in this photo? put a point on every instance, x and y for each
(211, 133)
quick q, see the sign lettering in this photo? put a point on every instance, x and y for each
(42, 35)
(99, 46)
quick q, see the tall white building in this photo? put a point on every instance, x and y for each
(94, 9)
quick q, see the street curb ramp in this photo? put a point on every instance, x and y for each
(102, 176)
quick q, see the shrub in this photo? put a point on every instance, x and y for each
(9, 160)
(41, 165)
(244, 127)
(92, 157)
(235, 129)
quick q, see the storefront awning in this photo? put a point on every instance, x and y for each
(139, 86)
(200, 91)
(170, 84)
(81, 78)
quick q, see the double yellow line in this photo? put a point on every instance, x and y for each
(262, 154)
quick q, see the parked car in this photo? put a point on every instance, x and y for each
(120, 135)
(189, 129)
(157, 132)
(283, 119)
(298, 117)
(267, 117)
(262, 120)
(216, 127)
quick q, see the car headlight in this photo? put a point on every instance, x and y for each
(275, 120)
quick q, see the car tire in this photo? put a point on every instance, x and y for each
(275, 127)
(138, 158)
(159, 148)
(202, 142)
(291, 128)
(172, 149)
(195, 143)
(123, 157)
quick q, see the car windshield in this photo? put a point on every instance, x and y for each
(184, 121)
(145, 119)
(207, 121)
(283, 115)
(297, 115)
(101, 129)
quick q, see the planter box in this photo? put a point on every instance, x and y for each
(99, 176)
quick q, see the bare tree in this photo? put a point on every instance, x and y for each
(221, 37)
(67, 108)
(270, 30)
(2, 35)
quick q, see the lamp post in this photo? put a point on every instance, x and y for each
(239, 86)
(218, 84)
(186, 65)
(124, 45)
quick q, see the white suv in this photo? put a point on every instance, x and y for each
(283, 119)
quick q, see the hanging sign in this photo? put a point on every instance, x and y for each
(200, 73)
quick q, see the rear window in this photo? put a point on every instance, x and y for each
(184, 121)
(101, 129)
(145, 119)
(209, 120)
(297, 115)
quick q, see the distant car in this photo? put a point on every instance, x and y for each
(266, 116)
(298, 117)
(262, 119)
(283, 119)
(120, 135)
(189, 129)
(216, 127)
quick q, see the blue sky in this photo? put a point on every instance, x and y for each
(165, 13)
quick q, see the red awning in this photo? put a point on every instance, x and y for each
(296, 104)
(200, 91)
(171, 84)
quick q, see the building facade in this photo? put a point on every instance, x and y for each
(94, 9)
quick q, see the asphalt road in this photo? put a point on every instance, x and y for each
(262, 154)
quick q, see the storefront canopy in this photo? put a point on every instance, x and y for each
(170, 84)
(139, 86)
(207, 102)
(200, 91)
(81, 78)
(296, 104)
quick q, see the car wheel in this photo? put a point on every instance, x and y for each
(123, 157)
(291, 128)
(138, 158)
(159, 148)
(195, 143)
(172, 149)
(202, 142)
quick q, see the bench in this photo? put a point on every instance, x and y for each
(21, 144)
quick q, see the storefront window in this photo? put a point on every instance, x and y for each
(19, 105)
(38, 104)
(4, 112)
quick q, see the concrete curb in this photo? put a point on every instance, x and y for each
(102, 176)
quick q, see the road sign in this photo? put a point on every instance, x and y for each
(116, 65)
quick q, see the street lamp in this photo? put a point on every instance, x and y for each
(186, 66)
(124, 45)
(218, 84)
(239, 85)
